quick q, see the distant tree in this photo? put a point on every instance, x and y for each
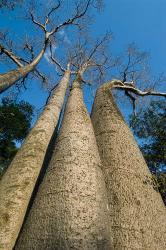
(15, 122)
(150, 126)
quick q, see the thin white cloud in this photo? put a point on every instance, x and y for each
(64, 36)
(47, 54)
(62, 32)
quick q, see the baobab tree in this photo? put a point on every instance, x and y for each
(72, 195)
(137, 212)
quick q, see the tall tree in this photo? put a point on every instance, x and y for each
(70, 209)
(18, 182)
(137, 213)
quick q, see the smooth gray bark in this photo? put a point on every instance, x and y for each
(71, 207)
(18, 182)
(8, 79)
(137, 213)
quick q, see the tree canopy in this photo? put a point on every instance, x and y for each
(15, 122)
(150, 125)
(150, 128)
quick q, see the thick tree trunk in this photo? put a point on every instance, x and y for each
(8, 79)
(70, 210)
(18, 182)
(137, 213)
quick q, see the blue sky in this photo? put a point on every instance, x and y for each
(142, 22)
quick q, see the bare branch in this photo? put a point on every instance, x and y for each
(133, 99)
(136, 65)
(128, 86)
(126, 69)
(37, 23)
(53, 9)
(30, 49)
(55, 61)
(10, 54)
(98, 45)
(58, 64)
(50, 12)
(73, 19)
(139, 92)
(40, 75)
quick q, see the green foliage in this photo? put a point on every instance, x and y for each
(150, 126)
(161, 180)
(15, 122)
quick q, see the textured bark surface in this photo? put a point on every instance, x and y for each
(71, 207)
(9, 78)
(18, 182)
(137, 213)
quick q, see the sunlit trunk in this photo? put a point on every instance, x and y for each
(137, 213)
(8, 79)
(71, 208)
(18, 182)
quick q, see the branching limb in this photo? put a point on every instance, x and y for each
(128, 86)
(72, 20)
(47, 20)
(139, 92)
(51, 11)
(130, 89)
(126, 69)
(58, 64)
(97, 46)
(17, 60)
(37, 22)
(30, 49)
(133, 100)
(54, 60)
(10, 54)
(40, 75)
